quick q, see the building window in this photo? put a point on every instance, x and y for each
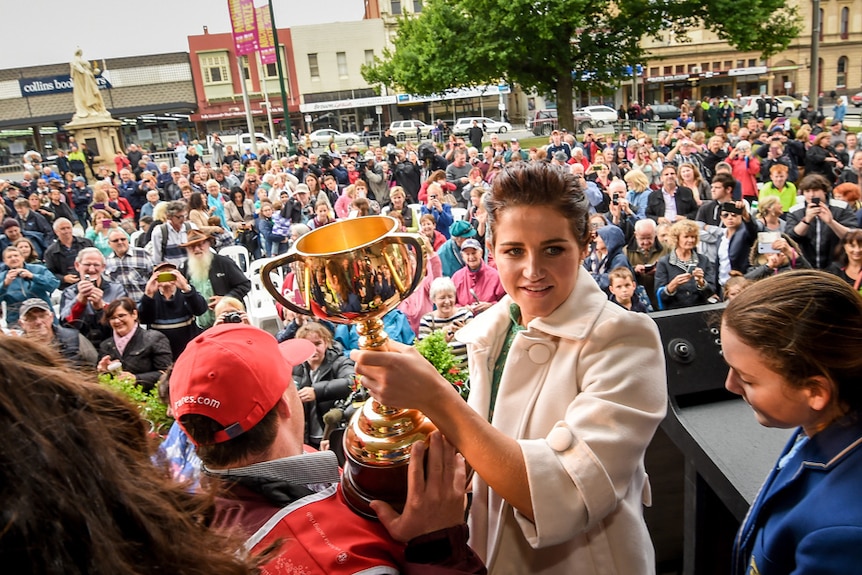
(845, 23)
(214, 68)
(822, 23)
(740, 63)
(668, 70)
(313, 68)
(716, 66)
(246, 72)
(369, 57)
(271, 70)
(653, 71)
(341, 57)
(752, 62)
(680, 68)
(395, 6)
(417, 6)
(704, 67)
(841, 78)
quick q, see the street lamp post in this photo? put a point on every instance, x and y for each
(287, 133)
(814, 81)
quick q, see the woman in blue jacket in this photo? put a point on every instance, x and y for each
(792, 344)
(21, 281)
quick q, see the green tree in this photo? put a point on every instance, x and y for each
(556, 46)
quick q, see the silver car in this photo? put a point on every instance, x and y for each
(321, 138)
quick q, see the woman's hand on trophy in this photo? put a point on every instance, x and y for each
(400, 377)
(436, 492)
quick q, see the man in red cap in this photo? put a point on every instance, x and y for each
(231, 392)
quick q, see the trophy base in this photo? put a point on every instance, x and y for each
(377, 446)
(362, 483)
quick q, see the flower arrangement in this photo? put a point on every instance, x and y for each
(438, 353)
(149, 405)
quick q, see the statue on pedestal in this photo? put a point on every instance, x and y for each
(85, 91)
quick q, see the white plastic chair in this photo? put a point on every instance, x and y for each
(260, 305)
(459, 214)
(239, 254)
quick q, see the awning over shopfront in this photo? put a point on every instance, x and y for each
(119, 113)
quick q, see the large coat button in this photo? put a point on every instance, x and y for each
(560, 439)
(539, 354)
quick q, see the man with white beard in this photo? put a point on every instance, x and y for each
(214, 276)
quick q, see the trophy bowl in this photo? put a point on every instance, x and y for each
(354, 272)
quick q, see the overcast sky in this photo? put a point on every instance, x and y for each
(111, 29)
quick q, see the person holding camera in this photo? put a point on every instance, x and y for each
(170, 305)
(230, 310)
(442, 212)
(684, 277)
(819, 223)
(82, 304)
(377, 176)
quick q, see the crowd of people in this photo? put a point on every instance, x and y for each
(536, 260)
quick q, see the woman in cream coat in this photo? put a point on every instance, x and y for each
(558, 448)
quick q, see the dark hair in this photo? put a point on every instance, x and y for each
(362, 205)
(254, 442)
(815, 182)
(539, 184)
(726, 180)
(234, 191)
(853, 236)
(805, 323)
(126, 303)
(80, 491)
(196, 202)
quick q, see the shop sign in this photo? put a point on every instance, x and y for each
(751, 71)
(53, 85)
(673, 78)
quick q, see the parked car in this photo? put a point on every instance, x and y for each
(659, 112)
(242, 141)
(789, 101)
(599, 115)
(321, 138)
(856, 99)
(488, 124)
(403, 129)
(785, 108)
(543, 122)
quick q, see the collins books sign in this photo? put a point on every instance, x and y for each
(53, 85)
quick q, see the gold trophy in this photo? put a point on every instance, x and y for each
(355, 271)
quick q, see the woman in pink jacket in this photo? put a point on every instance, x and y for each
(746, 168)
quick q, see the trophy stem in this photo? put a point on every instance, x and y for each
(372, 336)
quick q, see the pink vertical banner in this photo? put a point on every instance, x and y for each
(244, 27)
(264, 34)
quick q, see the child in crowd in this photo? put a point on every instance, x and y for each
(734, 286)
(624, 291)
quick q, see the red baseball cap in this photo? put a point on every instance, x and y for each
(234, 374)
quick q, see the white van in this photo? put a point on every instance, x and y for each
(241, 141)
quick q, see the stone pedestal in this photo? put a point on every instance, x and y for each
(100, 133)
